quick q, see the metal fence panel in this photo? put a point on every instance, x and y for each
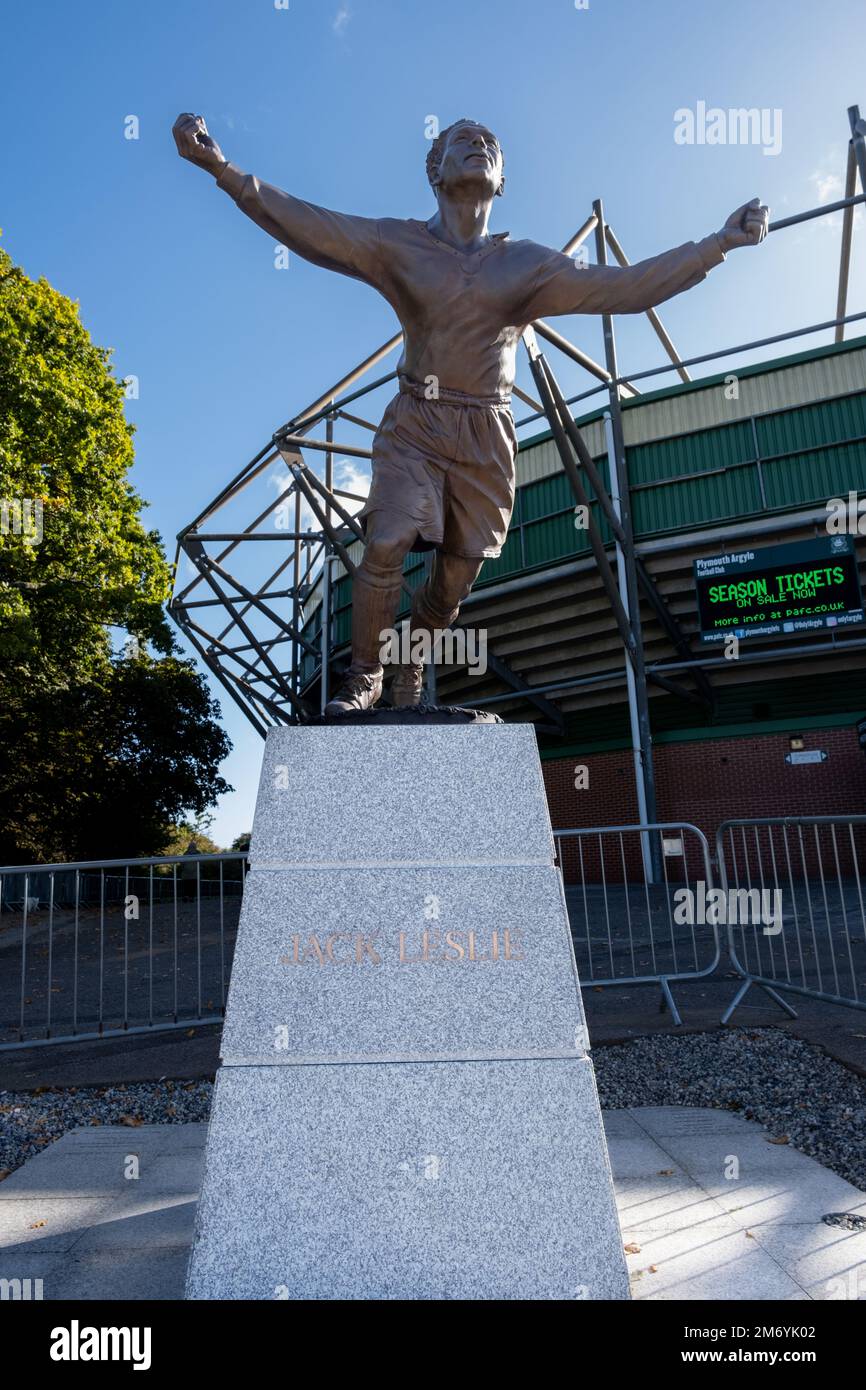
(99, 948)
(111, 947)
(635, 898)
(812, 941)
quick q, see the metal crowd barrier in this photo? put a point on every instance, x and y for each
(107, 947)
(111, 947)
(627, 891)
(814, 942)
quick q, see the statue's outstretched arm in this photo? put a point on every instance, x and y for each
(334, 240)
(562, 286)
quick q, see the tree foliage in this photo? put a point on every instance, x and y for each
(64, 442)
(102, 752)
(185, 835)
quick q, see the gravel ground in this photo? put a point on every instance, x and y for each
(793, 1088)
(30, 1120)
(765, 1075)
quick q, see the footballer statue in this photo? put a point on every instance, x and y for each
(444, 454)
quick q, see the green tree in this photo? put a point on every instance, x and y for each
(184, 833)
(102, 753)
(65, 444)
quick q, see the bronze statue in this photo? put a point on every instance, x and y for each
(443, 457)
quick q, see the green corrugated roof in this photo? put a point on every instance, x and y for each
(681, 388)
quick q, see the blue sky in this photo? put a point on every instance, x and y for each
(329, 99)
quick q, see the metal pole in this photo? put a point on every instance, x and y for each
(845, 249)
(293, 443)
(349, 380)
(296, 584)
(430, 680)
(634, 721)
(605, 573)
(326, 624)
(580, 236)
(660, 330)
(325, 592)
(329, 466)
(527, 400)
(645, 778)
(582, 359)
(823, 211)
(858, 141)
(326, 569)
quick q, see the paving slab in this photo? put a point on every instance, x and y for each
(697, 1237)
(716, 1270)
(667, 1203)
(167, 1223)
(732, 1215)
(771, 1197)
(129, 1274)
(106, 1170)
(639, 1156)
(815, 1253)
(669, 1121)
(37, 1224)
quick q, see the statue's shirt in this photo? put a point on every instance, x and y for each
(462, 313)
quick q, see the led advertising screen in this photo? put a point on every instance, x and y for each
(802, 587)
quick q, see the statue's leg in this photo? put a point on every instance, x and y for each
(435, 605)
(375, 599)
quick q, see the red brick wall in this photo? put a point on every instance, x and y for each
(708, 781)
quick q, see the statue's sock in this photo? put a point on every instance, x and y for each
(375, 599)
(426, 619)
(436, 602)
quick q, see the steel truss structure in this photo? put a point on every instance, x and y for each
(246, 620)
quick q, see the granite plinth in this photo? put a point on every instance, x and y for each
(358, 795)
(406, 1108)
(458, 1180)
(356, 964)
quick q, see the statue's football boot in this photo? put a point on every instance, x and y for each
(359, 689)
(407, 687)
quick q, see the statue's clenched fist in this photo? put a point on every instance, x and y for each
(194, 143)
(745, 227)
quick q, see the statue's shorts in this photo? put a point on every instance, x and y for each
(448, 465)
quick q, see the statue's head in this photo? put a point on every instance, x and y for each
(466, 156)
